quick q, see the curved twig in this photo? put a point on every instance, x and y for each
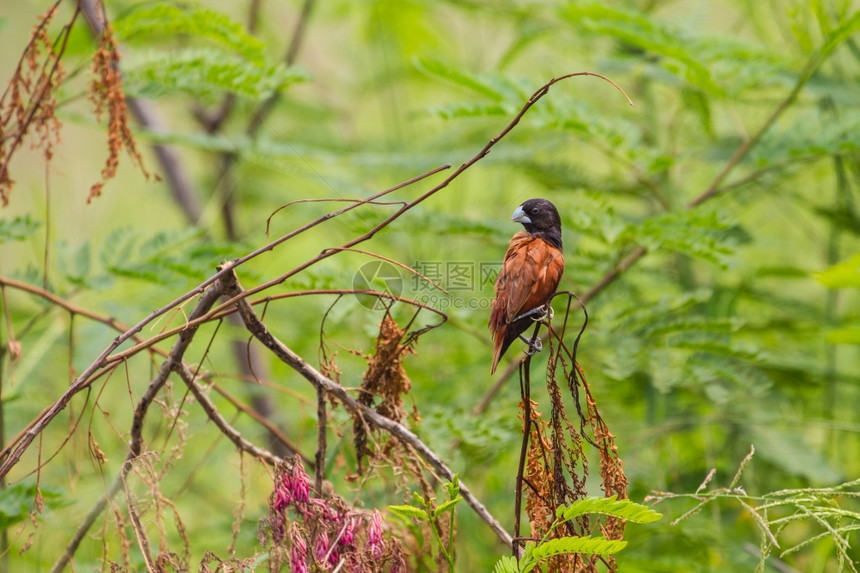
(101, 360)
(369, 415)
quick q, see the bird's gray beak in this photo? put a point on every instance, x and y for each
(520, 216)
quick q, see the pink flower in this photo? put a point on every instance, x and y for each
(399, 564)
(300, 487)
(347, 538)
(298, 551)
(321, 546)
(283, 494)
(375, 543)
(276, 522)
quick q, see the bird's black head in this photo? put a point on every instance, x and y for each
(540, 218)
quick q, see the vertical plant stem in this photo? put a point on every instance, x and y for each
(4, 535)
(525, 394)
(319, 466)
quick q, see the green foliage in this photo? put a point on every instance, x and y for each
(160, 21)
(843, 275)
(622, 508)
(427, 511)
(172, 256)
(726, 332)
(18, 500)
(17, 229)
(596, 545)
(638, 31)
(699, 233)
(824, 509)
(231, 61)
(204, 73)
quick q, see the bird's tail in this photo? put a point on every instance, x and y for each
(498, 340)
(498, 327)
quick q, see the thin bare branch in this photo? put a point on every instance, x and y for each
(369, 415)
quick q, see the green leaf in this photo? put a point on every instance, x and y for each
(841, 275)
(16, 502)
(639, 31)
(164, 20)
(204, 73)
(447, 506)
(166, 256)
(408, 511)
(494, 89)
(701, 233)
(566, 545)
(75, 264)
(591, 545)
(506, 564)
(453, 487)
(621, 508)
(461, 110)
(838, 35)
(17, 229)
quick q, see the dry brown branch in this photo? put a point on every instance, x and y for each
(14, 449)
(173, 363)
(212, 413)
(259, 330)
(208, 292)
(555, 467)
(84, 378)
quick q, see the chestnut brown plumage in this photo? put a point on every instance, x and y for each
(530, 273)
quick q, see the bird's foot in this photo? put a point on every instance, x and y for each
(537, 314)
(534, 346)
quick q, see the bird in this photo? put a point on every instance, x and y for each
(529, 276)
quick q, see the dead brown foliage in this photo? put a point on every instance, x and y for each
(385, 378)
(556, 464)
(109, 99)
(29, 103)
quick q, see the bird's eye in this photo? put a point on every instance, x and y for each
(535, 210)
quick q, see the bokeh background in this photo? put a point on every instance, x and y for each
(736, 168)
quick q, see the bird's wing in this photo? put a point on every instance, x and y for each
(531, 271)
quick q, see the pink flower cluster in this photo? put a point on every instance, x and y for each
(294, 488)
(328, 529)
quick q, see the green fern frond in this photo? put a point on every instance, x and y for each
(506, 564)
(611, 506)
(204, 73)
(162, 20)
(699, 232)
(588, 545)
(636, 30)
(495, 88)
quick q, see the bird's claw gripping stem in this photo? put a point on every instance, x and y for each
(537, 314)
(533, 346)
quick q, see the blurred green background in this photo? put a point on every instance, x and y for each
(726, 334)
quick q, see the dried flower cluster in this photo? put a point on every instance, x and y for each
(107, 96)
(556, 466)
(30, 99)
(28, 105)
(386, 378)
(316, 534)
